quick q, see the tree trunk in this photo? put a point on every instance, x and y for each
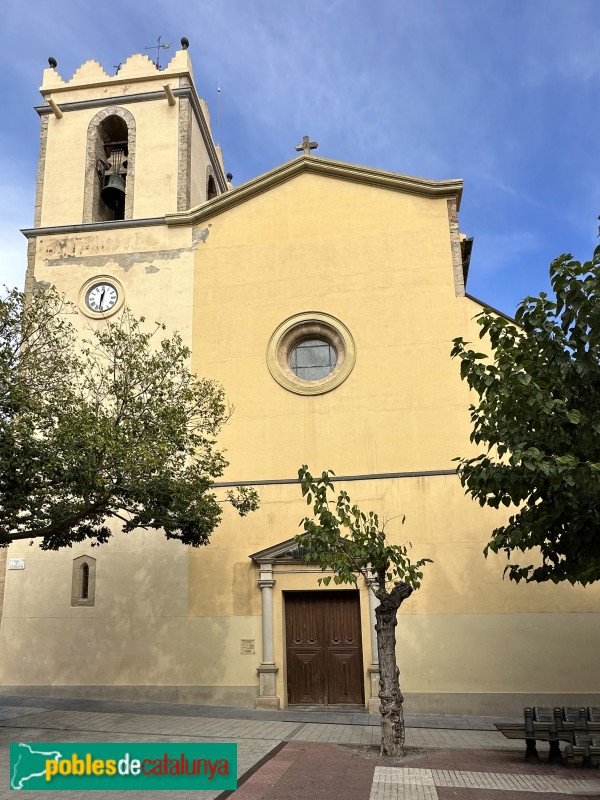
(392, 716)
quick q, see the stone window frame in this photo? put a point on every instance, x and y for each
(309, 325)
(77, 598)
(91, 180)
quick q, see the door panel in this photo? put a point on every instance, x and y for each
(324, 655)
(345, 673)
(305, 665)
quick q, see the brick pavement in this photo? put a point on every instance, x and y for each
(306, 771)
(286, 757)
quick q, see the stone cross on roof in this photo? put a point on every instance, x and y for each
(307, 145)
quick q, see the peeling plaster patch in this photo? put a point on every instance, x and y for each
(43, 285)
(123, 260)
(150, 269)
(200, 235)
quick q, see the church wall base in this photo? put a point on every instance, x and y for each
(476, 704)
(235, 696)
(268, 703)
(487, 704)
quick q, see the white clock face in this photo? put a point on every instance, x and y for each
(102, 297)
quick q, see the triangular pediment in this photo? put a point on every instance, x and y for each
(287, 552)
(320, 166)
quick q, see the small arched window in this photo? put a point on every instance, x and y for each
(83, 583)
(211, 188)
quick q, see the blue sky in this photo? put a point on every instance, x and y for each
(504, 94)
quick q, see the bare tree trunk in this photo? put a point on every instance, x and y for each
(392, 716)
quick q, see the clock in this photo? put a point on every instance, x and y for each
(102, 297)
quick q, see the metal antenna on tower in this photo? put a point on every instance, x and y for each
(158, 47)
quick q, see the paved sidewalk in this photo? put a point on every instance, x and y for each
(301, 755)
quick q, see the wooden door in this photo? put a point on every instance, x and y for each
(324, 653)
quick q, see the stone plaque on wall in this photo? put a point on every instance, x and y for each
(16, 563)
(248, 647)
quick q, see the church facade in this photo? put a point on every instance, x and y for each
(324, 297)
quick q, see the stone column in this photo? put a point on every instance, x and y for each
(267, 670)
(373, 703)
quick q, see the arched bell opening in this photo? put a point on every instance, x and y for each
(109, 168)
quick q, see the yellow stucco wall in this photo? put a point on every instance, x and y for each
(377, 260)
(151, 264)
(380, 262)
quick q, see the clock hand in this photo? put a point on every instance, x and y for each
(102, 298)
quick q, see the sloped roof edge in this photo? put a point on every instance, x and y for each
(495, 310)
(319, 166)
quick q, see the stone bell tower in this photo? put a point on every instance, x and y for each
(119, 152)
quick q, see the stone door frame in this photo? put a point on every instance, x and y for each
(286, 558)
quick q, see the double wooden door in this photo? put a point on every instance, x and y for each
(323, 644)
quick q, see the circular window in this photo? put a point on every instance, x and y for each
(311, 353)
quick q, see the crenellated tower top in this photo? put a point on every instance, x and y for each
(137, 67)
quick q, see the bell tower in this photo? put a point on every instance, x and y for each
(118, 153)
(137, 144)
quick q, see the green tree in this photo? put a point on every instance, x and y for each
(113, 427)
(539, 418)
(351, 543)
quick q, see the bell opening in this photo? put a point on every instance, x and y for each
(113, 154)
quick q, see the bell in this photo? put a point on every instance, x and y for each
(113, 193)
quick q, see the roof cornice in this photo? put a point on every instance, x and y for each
(88, 227)
(318, 166)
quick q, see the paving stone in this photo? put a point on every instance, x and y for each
(401, 782)
(470, 761)
(13, 713)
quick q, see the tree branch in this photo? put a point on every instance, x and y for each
(56, 527)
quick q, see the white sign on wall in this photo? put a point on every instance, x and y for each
(16, 563)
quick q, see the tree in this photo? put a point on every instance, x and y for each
(112, 427)
(351, 543)
(539, 417)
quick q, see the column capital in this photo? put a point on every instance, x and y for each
(266, 583)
